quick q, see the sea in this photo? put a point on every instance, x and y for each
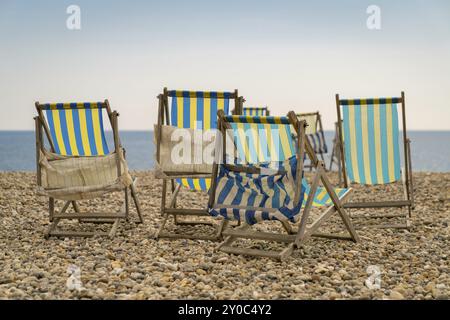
(430, 150)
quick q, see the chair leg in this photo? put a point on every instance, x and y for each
(136, 201)
(172, 205)
(75, 206)
(173, 188)
(411, 184)
(339, 172)
(77, 209)
(52, 228)
(113, 229)
(55, 222)
(287, 227)
(51, 208)
(407, 194)
(222, 226)
(173, 200)
(163, 224)
(230, 239)
(127, 205)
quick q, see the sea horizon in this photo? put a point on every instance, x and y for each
(17, 149)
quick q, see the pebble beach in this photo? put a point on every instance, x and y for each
(411, 264)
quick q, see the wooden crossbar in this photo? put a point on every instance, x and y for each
(380, 204)
(288, 238)
(87, 215)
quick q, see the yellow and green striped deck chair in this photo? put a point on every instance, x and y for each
(190, 110)
(80, 164)
(261, 180)
(369, 138)
(254, 111)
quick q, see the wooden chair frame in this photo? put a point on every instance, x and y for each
(171, 209)
(41, 126)
(407, 179)
(319, 127)
(295, 237)
(335, 153)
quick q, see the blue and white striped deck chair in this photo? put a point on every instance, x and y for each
(261, 180)
(369, 135)
(191, 110)
(314, 133)
(253, 111)
(76, 135)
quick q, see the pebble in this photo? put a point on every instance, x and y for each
(395, 295)
(413, 264)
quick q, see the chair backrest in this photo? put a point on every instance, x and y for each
(76, 129)
(262, 139)
(261, 112)
(370, 134)
(197, 109)
(250, 136)
(312, 119)
(314, 131)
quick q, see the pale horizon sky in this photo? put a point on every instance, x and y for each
(288, 55)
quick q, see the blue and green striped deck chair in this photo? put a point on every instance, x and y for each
(80, 165)
(190, 110)
(369, 135)
(321, 197)
(254, 111)
(261, 180)
(314, 133)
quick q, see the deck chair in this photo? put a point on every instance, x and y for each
(195, 111)
(259, 183)
(79, 165)
(314, 133)
(370, 151)
(262, 112)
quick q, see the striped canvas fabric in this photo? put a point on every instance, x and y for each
(246, 197)
(371, 140)
(250, 194)
(261, 112)
(321, 198)
(77, 128)
(317, 142)
(313, 132)
(197, 110)
(262, 139)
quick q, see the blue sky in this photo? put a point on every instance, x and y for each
(284, 54)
